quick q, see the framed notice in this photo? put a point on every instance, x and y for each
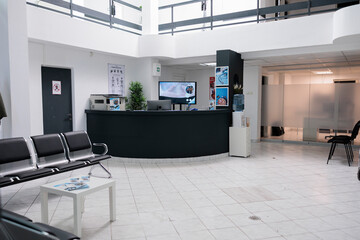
(116, 79)
(221, 76)
(56, 87)
(222, 96)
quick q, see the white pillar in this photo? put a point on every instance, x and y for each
(145, 76)
(252, 92)
(14, 68)
(150, 17)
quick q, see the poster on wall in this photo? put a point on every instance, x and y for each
(56, 87)
(221, 76)
(212, 93)
(116, 79)
(222, 96)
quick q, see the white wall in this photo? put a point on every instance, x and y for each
(292, 36)
(47, 26)
(296, 33)
(143, 74)
(201, 77)
(305, 32)
(252, 92)
(89, 73)
(344, 28)
(14, 68)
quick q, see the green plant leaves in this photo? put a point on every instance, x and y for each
(136, 99)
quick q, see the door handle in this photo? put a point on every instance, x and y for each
(69, 117)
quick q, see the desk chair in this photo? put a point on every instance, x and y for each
(346, 140)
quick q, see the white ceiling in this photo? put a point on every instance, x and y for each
(281, 63)
(313, 61)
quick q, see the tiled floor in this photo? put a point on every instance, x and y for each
(283, 191)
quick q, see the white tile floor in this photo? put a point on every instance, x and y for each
(288, 187)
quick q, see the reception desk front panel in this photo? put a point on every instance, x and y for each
(160, 134)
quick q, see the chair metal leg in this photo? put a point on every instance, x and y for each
(331, 148)
(104, 168)
(351, 152)
(347, 153)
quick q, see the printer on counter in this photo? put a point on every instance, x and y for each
(107, 102)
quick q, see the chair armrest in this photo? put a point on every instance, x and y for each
(101, 145)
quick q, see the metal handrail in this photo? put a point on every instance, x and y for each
(258, 13)
(179, 4)
(128, 5)
(106, 19)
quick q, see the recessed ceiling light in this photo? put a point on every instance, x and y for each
(322, 72)
(211, 64)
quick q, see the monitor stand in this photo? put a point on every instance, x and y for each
(179, 105)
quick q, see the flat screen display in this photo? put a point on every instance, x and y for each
(178, 92)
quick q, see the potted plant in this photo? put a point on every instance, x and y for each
(136, 99)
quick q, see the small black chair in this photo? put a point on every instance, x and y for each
(346, 140)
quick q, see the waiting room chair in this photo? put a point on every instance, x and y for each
(14, 226)
(50, 153)
(79, 148)
(16, 162)
(346, 140)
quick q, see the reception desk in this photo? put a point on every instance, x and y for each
(160, 134)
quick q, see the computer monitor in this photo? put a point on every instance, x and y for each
(159, 105)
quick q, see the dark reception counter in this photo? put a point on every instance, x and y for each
(160, 134)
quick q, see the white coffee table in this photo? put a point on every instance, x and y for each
(78, 195)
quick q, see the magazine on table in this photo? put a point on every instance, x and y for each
(75, 184)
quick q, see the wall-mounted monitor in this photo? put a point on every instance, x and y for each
(178, 92)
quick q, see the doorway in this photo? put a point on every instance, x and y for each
(57, 100)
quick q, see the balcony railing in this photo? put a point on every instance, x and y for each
(104, 13)
(257, 15)
(124, 16)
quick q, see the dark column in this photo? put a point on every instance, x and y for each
(236, 70)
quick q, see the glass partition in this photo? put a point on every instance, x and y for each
(296, 105)
(322, 106)
(272, 105)
(305, 106)
(349, 101)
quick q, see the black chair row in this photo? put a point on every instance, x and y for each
(53, 154)
(15, 226)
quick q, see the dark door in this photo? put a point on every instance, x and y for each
(56, 97)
